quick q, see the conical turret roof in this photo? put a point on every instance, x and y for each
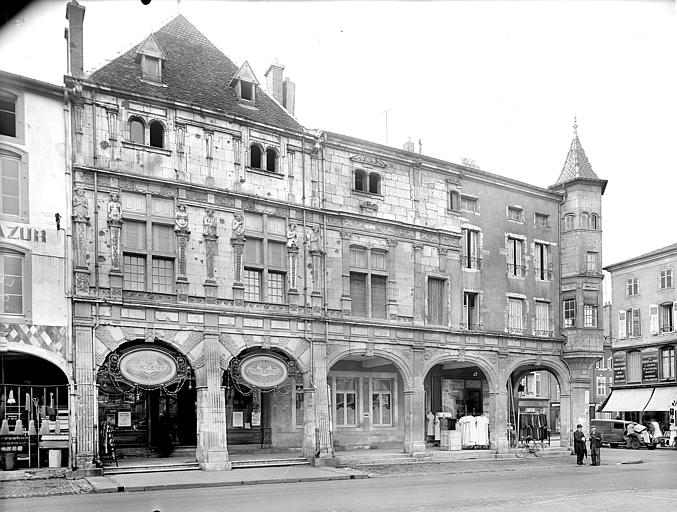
(576, 164)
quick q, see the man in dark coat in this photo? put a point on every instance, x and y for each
(579, 444)
(595, 445)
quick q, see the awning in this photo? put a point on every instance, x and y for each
(627, 400)
(662, 399)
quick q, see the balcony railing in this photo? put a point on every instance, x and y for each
(471, 262)
(667, 328)
(545, 334)
(543, 273)
(517, 270)
(474, 326)
(517, 330)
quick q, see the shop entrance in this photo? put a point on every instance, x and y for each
(147, 402)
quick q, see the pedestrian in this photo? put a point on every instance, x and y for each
(595, 445)
(579, 445)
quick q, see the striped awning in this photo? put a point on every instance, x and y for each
(627, 400)
(662, 399)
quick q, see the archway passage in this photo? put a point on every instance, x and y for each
(146, 402)
(264, 401)
(457, 400)
(33, 402)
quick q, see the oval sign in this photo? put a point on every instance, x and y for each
(147, 367)
(263, 371)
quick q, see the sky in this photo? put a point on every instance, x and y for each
(498, 82)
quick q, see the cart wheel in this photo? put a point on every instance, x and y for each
(521, 451)
(634, 443)
(538, 449)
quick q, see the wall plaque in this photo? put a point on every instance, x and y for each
(650, 365)
(148, 367)
(619, 368)
(263, 371)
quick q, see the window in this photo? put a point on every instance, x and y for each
(515, 213)
(366, 182)
(601, 385)
(151, 67)
(594, 221)
(515, 259)
(668, 363)
(471, 311)
(13, 191)
(454, 201)
(255, 156)
(374, 183)
(360, 180)
(667, 317)
(149, 244)
(542, 268)
(591, 263)
(531, 383)
(542, 220)
(8, 104)
(515, 315)
(584, 221)
(469, 204)
(137, 131)
(666, 279)
(368, 282)
(589, 315)
(542, 319)
(633, 325)
(471, 251)
(346, 401)
(600, 364)
(632, 287)
(12, 275)
(271, 160)
(569, 308)
(634, 366)
(568, 222)
(157, 134)
(381, 402)
(436, 301)
(246, 91)
(265, 258)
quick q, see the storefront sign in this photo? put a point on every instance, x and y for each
(23, 233)
(256, 418)
(147, 367)
(650, 365)
(238, 419)
(124, 418)
(619, 368)
(263, 371)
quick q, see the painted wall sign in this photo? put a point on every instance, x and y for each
(263, 371)
(147, 367)
(619, 368)
(650, 365)
(23, 233)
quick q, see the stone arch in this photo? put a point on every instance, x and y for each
(51, 357)
(400, 362)
(489, 368)
(555, 366)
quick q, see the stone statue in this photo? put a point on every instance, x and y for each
(80, 205)
(238, 225)
(181, 218)
(209, 223)
(114, 210)
(292, 236)
(314, 240)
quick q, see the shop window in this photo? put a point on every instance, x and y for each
(12, 282)
(516, 265)
(255, 156)
(265, 259)
(368, 282)
(157, 134)
(668, 363)
(665, 279)
(381, 402)
(345, 398)
(569, 310)
(634, 366)
(271, 160)
(515, 315)
(8, 111)
(543, 319)
(13, 186)
(437, 303)
(590, 315)
(470, 249)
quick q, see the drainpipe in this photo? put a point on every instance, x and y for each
(95, 425)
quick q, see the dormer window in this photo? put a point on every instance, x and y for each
(151, 58)
(245, 84)
(151, 68)
(247, 91)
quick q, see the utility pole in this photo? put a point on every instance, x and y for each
(386, 113)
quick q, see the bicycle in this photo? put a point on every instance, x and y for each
(528, 445)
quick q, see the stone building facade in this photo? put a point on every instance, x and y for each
(36, 356)
(253, 282)
(643, 312)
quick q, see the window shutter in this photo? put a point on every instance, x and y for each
(653, 311)
(674, 316)
(511, 251)
(436, 300)
(253, 251)
(134, 235)
(358, 294)
(621, 325)
(276, 254)
(163, 238)
(378, 296)
(518, 254)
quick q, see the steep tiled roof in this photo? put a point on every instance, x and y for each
(576, 164)
(196, 72)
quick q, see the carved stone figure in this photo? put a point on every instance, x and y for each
(181, 218)
(314, 244)
(238, 226)
(80, 206)
(114, 210)
(209, 223)
(292, 237)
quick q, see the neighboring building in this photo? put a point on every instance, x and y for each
(35, 344)
(242, 282)
(601, 379)
(644, 309)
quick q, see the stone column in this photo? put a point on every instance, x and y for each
(237, 241)
(414, 407)
(114, 219)
(567, 426)
(210, 237)
(86, 400)
(80, 246)
(498, 409)
(309, 448)
(182, 235)
(326, 450)
(580, 393)
(391, 307)
(346, 300)
(212, 445)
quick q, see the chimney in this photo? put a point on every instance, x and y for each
(75, 14)
(409, 145)
(274, 81)
(289, 95)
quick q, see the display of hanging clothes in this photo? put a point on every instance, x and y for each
(468, 427)
(482, 423)
(430, 427)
